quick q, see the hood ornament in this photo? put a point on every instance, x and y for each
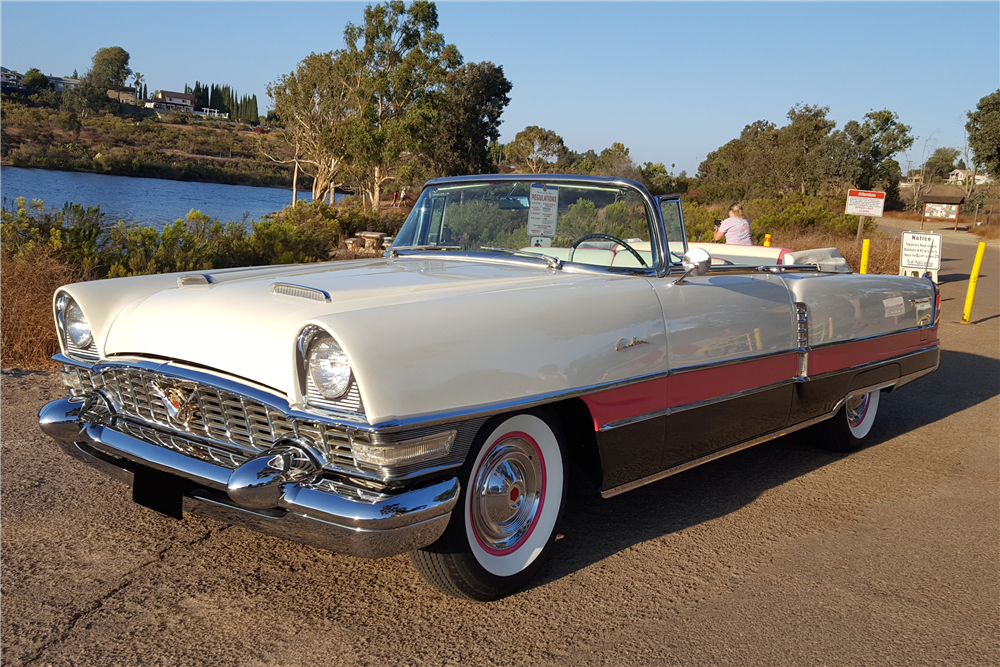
(178, 399)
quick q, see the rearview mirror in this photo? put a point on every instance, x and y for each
(513, 203)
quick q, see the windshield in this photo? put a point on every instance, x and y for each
(588, 223)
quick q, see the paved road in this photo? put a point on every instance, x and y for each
(778, 555)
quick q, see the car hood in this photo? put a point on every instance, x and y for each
(398, 320)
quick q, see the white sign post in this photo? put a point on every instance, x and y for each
(864, 203)
(920, 253)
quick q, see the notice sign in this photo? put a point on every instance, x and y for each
(920, 251)
(864, 202)
(544, 205)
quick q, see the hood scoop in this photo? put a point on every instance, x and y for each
(194, 281)
(300, 292)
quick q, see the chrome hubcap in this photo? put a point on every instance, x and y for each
(507, 493)
(857, 407)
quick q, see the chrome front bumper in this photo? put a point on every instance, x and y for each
(324, 519)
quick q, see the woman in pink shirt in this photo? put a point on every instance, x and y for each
(735, 229)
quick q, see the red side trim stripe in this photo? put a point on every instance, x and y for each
(699, 385)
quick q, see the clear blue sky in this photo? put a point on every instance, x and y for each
(672, 81)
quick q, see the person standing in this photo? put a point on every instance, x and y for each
(402, 197)
(735, 229)
(394, 196)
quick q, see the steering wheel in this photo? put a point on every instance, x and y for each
(606, 237)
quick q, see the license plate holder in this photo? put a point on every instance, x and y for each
(159, 491)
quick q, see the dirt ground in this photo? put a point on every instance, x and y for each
(782, 554)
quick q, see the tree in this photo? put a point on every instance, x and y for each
(310, 104)
(534, 149)
(615, 161)
(804, 142)
(747, 167)
(34, 81)
(389, 70)
(872, 143)
(983, 129)
(468, 120)
(110, 68)
(940, 164)
(138, 78)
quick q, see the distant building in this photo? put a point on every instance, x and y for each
(959, 176)
(10, 81)
(167, 100)
(59, 83)
(125, 95)
(963, 176)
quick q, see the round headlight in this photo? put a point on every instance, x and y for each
(74, 323)
(329, 368)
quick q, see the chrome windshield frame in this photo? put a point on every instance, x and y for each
(652, 206)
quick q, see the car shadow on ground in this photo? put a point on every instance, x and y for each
(595, 529)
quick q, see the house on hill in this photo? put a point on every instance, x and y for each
(167, 100)
(10, 81)
(60, 83)
(124, 95)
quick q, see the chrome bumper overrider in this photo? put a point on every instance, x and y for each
(305, 510)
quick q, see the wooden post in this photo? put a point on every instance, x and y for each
(957, 214)
(861, 230)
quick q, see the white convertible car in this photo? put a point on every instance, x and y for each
(520, 329)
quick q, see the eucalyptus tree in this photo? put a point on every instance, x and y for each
(389, 70)
(534, 149)
(310, 103)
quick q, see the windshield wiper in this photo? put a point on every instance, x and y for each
(393, 251)
(553, 262)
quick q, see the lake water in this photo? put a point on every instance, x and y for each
(151, 202)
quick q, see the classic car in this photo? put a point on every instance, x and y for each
(521, 329)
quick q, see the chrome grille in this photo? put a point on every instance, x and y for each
(232, 421)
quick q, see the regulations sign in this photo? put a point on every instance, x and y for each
(544, 207)
(865, 202)
(920, 251)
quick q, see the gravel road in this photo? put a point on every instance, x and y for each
(782, 554)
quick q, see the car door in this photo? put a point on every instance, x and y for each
(731, 352)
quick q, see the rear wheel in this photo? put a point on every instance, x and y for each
(501, 531)
(850, 427)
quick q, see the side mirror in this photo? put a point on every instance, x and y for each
(696, 261)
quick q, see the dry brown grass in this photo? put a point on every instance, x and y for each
(987, 232)
(27, 332)
(883, 254)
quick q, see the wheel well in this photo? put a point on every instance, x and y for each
(583, 456)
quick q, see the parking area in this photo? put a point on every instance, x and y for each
(782, 554)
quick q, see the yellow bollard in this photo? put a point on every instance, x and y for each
(767, 239)
(973, 279)
(865, 247)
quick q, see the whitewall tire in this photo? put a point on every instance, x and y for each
(513, 493)
(849, 429)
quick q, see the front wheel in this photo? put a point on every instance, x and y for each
(850, 427)
(513, 492)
